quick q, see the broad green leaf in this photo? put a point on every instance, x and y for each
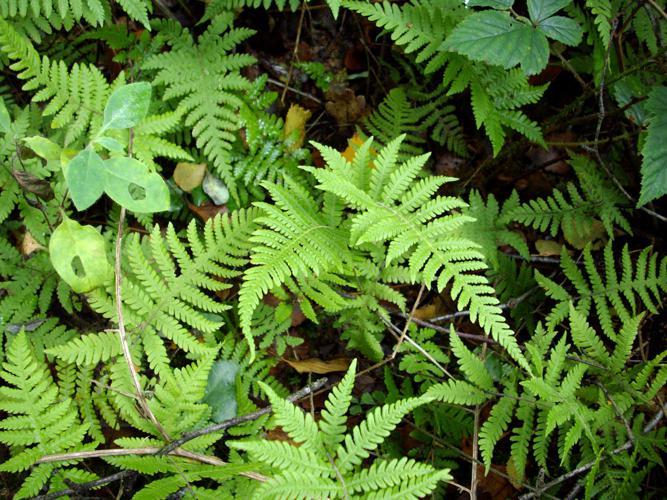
(537, 54)
(538, 10)
(79, 256)
(562, 29)
(127, 106)
(130, 184)
(496, 38)
(654, 166)
(110, 144)
(44, 148)
(494, 4)
(221, 390)
(85, 178)
(5, 120)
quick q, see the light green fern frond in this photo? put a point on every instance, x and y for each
(75, 97)
(496, 424)
(210, 99)
(334, 422)
(574, 216)
(166, 280)
(392, 207)
(41, 421)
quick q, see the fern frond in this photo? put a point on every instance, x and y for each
(40, 420)
(333, 422)
(472, 366)
(366, 436)
(495, 426)
(89, 349)
(209, 100)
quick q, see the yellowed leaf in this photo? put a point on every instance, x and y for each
(353, 144)
(546, 248)
(188, 176)
(426, 312)
(579, 235)
(30, 245)
(316, 365)
(294, 131)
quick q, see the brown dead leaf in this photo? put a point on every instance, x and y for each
(35, 185)
(207, 210)
(188, 176)
(344, 105)
(426, 312)
(321, 367)
(30, 245)
(294, 131)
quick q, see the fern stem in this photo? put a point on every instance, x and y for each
(407, 323)
(658, 8)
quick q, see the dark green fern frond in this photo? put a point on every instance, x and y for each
(575, 210)
(640, 285)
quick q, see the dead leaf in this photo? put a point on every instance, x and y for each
(215, 188)
(547, 248)
(188, 176)
(580, 235)
(344, 105)
(426, 312)
(207, 210)
(30, 245)
(35, 185)
(316, 365)
(353, 144)
(294, 131)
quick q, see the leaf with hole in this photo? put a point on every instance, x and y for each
(129, 183)
(221, 390)
(85, 178)
(78, 254)
(127, 106)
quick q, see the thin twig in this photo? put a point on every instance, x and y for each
(232, 422)
(295, 53)
(658, 8)
(86, 486)
(475, 440)
(407, 323)
(296, 91)
(122, 334)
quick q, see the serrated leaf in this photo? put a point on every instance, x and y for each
(130, 184)
(496, 38)
(78, 254)
(562, 29)
(5, 120)
(85, 178)
(538, 10)
(44, 148)
(127, 106)
(221, 390)
(334, 5)
(654, 166)
(494, 4)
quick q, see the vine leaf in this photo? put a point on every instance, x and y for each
(85, 178)
(78, 254)
(127, 106)
(221, 390)
(129, 183)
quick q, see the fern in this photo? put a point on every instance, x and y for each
(639, 285)
(327, 461)
(41, 421)
(654, 173)
(164, 284)
(209, 100)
